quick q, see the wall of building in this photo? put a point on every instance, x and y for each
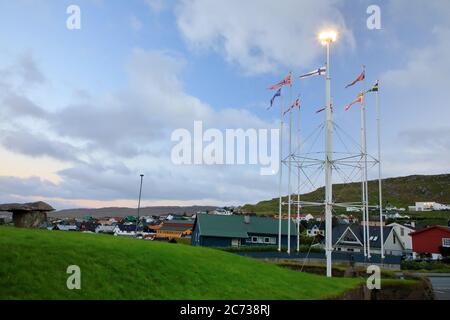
(429, 241)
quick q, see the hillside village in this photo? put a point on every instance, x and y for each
(406, 236)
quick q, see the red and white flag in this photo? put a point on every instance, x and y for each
(360, 99)
(361, 77)
(295, 104)
(285, 81)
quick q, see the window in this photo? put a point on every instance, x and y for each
(393, 238)
(266, 240)
(402, 232)
(255, 239)
(446, 242)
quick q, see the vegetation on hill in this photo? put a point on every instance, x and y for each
(33, 265)
(400, 192)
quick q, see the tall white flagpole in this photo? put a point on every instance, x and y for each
(280, 175)
(289, 173)
(363, 185)
(380, 191)
(366, 186)
(298, 179)
(328, 168)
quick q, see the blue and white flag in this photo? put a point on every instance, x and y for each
(277, 94)
(317, 72)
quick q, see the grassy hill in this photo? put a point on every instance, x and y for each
(33, 265)
(400, 192)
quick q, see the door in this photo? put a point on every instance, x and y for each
(235, 242)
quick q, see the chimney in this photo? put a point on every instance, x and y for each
(246, 219)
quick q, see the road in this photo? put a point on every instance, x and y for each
(441, 286)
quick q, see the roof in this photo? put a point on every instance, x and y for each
(26, 207)
(357, 229)
(445, 229)
(235, 227)
(174, 221)
(174, 228)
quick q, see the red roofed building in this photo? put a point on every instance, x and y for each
(427, 241)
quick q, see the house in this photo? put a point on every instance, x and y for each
(179, 223)
(314, 230)
(173, 232)
(430, 206)
(105, 229)
(403, 232)
(222, 212)
(350, 238)
(89, 226)
(66, 227)
(346, 219)
(127, 230)
(428, 241)
(238, 230)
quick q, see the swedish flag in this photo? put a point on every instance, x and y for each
(374, 88)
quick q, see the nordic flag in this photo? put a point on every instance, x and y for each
(295, 104)
(285, 81)
(361, 77)
(360, 99)
(277, 94)
(317, 72)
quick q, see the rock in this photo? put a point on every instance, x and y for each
(28, 215)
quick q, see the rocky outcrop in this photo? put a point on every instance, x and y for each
(28, 215)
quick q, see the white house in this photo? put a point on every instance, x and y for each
(431, 206)
(222, 212)
(350, 238)
(403, 234)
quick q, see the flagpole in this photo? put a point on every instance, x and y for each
(363, 186)
(289, 172)
(298, 179)
(366, 186)
(380, 192)
(280, 175)
(328, 168)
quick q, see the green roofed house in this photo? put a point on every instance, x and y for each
(238, 230)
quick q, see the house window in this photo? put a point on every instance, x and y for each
(446, 242)
(255, 239)
(266, 240)
(393, 239)
(402, 232)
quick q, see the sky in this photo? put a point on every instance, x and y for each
(83, 112)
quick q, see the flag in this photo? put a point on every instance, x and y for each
(374, 88)
(285, 81)
(317, 72)
(323, 109)
(360, 99)
(361, 77)
(295, 104)
(277, 94)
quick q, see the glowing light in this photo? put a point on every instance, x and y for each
(326, 37)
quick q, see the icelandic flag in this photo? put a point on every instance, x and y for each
(285, 81)
(317, 72)
(277, 94)
(360, 99)
(361, 77)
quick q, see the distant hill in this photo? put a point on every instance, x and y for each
(123, 212)
(401, 192)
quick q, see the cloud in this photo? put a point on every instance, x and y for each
(156, 6)
(260, 36)
(135, 23)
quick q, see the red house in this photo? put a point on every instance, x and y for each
(428, 241)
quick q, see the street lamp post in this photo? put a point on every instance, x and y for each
(139, 202)
(326, 38)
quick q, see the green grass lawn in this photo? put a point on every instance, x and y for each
(33, 265)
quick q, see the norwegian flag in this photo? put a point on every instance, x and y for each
(361, 77)
(360, 99)
(285, 81)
